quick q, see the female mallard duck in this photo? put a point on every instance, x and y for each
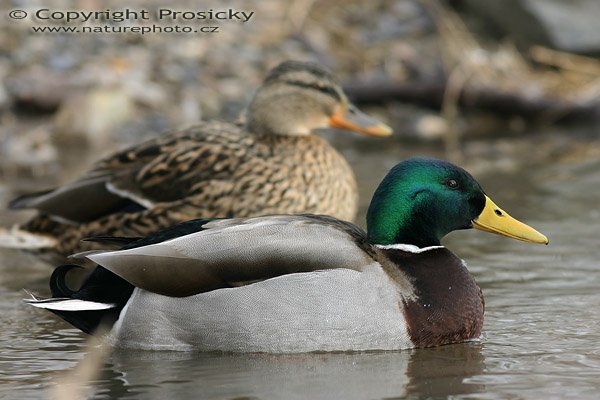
(273, 165)
(300, 283)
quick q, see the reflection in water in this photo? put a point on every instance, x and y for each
(445, 371)
(376, 375)
(303, 376)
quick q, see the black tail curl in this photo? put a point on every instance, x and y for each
(100, 286)
(103, 286)
(58, 285)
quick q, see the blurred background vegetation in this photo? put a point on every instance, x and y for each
(516, 81)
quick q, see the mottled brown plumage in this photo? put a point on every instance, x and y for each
(273, 164)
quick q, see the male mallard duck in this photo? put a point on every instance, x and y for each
(300, 283)
(272, 165)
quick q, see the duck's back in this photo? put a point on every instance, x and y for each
(218, 169)
(211, 170)
(229, 172)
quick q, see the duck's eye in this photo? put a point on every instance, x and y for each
(452, 183)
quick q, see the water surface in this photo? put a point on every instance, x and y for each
(541, 336)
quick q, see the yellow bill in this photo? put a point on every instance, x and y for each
(355, 120)
(495, 220)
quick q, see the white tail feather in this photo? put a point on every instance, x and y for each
(16, 238)
(66, 304)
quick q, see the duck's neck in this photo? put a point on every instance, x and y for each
(275, 121)
(416, 235)
(389, 223)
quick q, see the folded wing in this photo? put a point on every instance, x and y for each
(230, 251)
(164, 169)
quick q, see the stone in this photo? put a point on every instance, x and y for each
(93, 117)
(564, 25)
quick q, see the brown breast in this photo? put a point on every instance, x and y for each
(448, 305)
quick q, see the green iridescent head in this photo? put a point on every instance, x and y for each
(421, 200)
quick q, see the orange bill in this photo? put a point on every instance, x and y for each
(355, 120)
